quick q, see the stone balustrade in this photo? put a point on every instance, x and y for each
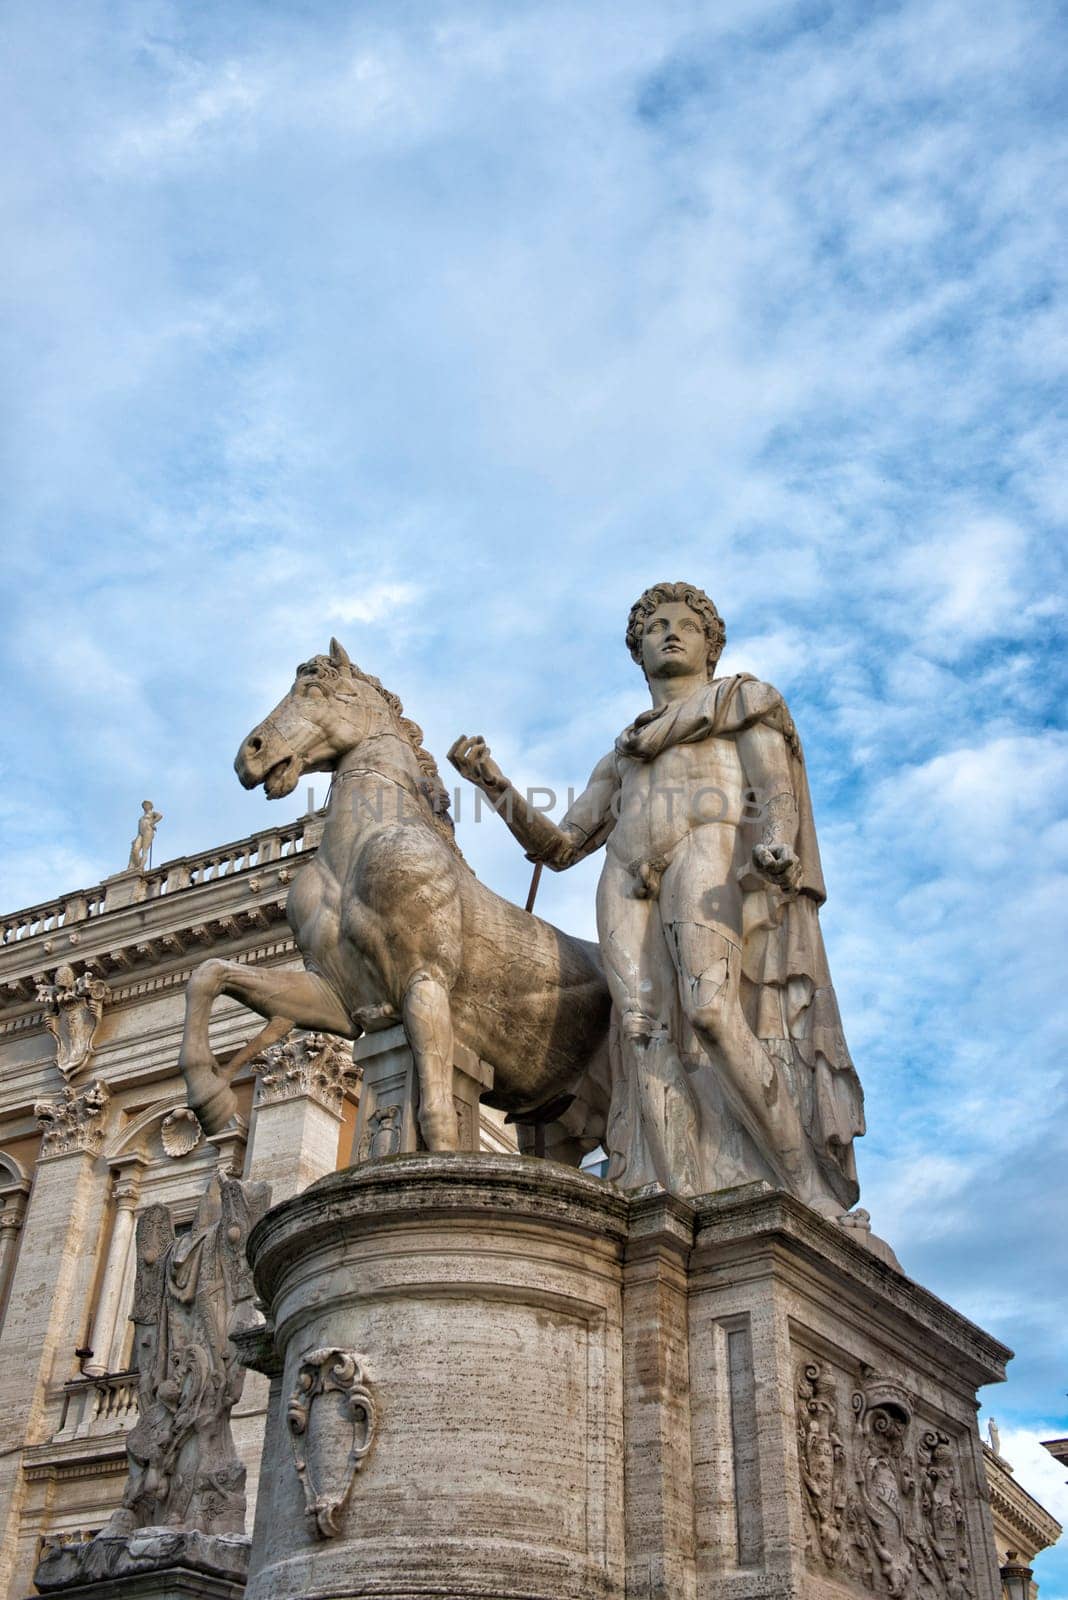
(186, 872)
(95, 1406)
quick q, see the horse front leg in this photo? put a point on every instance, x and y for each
(428, 1025)
(286, 999)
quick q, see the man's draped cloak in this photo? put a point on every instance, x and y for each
(787, 993)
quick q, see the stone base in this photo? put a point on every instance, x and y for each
(497, 1379)
(387, 1122)
(161, 1563)
(169, 1583)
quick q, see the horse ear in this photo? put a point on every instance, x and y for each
(339, 655)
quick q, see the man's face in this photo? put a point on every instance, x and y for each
(674, 643)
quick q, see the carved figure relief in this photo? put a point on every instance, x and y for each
(821, 1455)
(191, 1292)
(882, 1499)
(332, 1423)
(72, 1011)
(886, 1485)
(75, 1121)
(382, 1136)
(316, 1064)
(943, 1514)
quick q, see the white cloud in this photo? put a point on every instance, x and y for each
(449, 334)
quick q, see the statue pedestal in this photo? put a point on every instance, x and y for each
(151, 1564)
(497, 1378)
(127, 888)
(388, 1119)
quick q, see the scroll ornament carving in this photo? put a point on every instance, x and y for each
(75, 1121)
(73, 1008)
(943, 1514)
(332, 1423)
(822, 1459)
(882, 1499)
(315, 1064)
(886, 1486)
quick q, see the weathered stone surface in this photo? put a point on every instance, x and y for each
(421, 943)
(495, 1377)
(75, 1121)
(191, 1291)
(171, 1557)
(73, 1005)
(730, 1061)
(480, 1298)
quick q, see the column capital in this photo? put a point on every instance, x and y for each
(125, 1189)
(318, 1065)
(74, 1122)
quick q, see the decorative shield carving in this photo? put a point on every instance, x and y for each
(73, 1007)
(332, 1421)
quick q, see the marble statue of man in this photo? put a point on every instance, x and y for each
(730, 1059)
(147, 824)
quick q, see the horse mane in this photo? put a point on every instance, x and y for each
(432, 789)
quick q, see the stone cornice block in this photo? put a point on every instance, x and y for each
(738, 1227)
(439, 1186)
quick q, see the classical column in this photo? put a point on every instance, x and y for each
(296, 1121)
(109, 1323)
(11, 1217)
(49, 1293)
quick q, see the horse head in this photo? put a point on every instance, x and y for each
(331, 707)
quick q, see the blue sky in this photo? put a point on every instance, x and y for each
(448, 328)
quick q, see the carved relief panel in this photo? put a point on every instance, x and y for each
(881, 1490)
(73, 1007)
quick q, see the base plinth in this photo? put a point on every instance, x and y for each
(494, 1378)
(150, 1564)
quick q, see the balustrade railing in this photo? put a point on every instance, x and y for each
(94, 1406)
(273, 844)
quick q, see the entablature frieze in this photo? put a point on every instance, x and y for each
(129, 968)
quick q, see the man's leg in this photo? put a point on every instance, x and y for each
(700, 906)
(641, 980)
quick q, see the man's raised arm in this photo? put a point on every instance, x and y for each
(586, 826)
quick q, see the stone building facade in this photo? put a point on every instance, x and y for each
(93, 1127)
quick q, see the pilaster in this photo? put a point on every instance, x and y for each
(50, 1287)
(659, 1460)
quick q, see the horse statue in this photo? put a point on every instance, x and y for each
(394, 927)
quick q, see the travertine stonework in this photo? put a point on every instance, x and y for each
(730, 1062)
(420, 942)
(507, 1379)
(75, 1173)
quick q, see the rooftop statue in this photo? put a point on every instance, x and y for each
(731, 1063)
(141, 848)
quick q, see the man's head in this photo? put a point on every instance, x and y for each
(674, 630)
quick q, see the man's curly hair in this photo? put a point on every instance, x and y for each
(696, 599)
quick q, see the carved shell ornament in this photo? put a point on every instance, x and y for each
(332, 1421)
(180, 1132)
